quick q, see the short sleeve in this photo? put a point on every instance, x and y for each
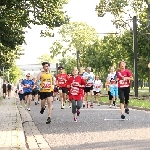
(129, 73)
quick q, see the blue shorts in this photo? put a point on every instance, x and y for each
(114, 90)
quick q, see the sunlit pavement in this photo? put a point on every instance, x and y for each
(98, 128)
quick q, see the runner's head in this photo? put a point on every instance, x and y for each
(82, 70)
(28, 75)
(122, 65)
(112, 69)
(61, 69)
(75, 71)
(46, 66)
(88, 69)
(97, 78)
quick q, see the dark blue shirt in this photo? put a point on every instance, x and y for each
(28, 83)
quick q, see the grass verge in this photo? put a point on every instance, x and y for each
(132, 102)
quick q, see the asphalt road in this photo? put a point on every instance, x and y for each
(98, 128)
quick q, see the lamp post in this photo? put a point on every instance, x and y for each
(148, 21)
(135, 55)
(77, 59)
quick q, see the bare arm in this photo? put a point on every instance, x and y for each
(53, 82)
(38, 78)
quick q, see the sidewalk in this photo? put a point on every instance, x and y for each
(11, 130)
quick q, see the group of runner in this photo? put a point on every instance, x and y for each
(77, 88)
(7, 88)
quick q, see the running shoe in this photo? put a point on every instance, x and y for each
(78, 112)
(75, 119)
(127, 110)
(48, 120)
(122, 116)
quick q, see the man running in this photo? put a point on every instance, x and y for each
(46, 89)
(61, 80)
(35, 91)
(4, 86)
(89, 85)
(9, 88)
(123, 76)
(27, 85)
(76, 84)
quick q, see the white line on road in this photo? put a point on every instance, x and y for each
(116, 119)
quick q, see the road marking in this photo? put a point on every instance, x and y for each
(116, 119)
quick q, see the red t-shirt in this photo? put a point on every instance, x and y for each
(120, 74)
(62, 79)
(76, 92)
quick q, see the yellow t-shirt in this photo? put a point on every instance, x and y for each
(46, 82)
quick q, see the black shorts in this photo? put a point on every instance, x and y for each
(110, 95)
(44, 95)
(35, 92)
(56, 90)
(95, 93)
(21, 97)
(4, 90)
(27, 93)
(88, 89)
(124, 94)
(64, 90)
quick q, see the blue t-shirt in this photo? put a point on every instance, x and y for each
(29, 83)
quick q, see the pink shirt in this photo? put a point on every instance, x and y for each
(120, 74)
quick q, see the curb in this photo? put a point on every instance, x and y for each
(33, 137)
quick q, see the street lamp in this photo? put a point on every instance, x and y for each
(148, 21)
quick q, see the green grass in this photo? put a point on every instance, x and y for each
(132, 102)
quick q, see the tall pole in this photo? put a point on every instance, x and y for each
(3, 73)
(78, 59)
(56, 68)
(148, 22)
(135, 55)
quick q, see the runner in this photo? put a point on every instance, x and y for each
(61, 80)
(46, 89)
(76, 84)
(9, 88)
(113, 87)
(89, 85)
(35, 91)
(97, 89)
(27, 85)
(81, 72)
(67, 94)
(4, 86)
(124, 76)
(110, 97)
(21, 94)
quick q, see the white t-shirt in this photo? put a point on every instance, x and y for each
(97, 85)
(111, 77)
(90, 80)
(20, 89)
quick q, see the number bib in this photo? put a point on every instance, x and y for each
(46, 85)
(123, 83)
(74, 91)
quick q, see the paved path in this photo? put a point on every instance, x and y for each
(11, 130)
(92, 132)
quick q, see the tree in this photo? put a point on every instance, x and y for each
(16, 15)
(75, 36)
(45, 57)
(14, 74)
(68, 63)
(122, 10)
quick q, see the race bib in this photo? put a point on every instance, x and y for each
(122, 82)
(89, 84)
(46, 85)
(97, 86)
(74, 91)
(61, 82)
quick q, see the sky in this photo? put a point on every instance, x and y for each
(79, 11)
